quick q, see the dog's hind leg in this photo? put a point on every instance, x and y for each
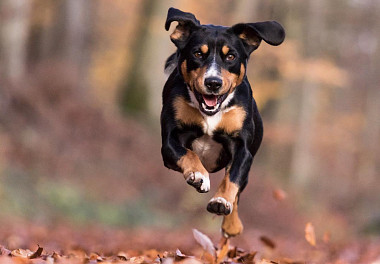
(225, 202)
(232, 225)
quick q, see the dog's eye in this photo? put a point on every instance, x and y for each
(230, 57)
(198, 54)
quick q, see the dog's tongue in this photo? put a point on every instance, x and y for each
(210, 100)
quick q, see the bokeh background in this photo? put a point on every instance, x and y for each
(80, 98)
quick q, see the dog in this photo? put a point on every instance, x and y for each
(209, 118)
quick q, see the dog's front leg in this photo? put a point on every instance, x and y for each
(225, 201)
(179, 158)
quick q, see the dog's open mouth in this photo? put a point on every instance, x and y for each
(209, 103)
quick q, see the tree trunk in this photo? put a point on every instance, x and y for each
(304, 163)
(14, 35)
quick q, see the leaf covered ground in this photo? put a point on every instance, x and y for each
(36, 244)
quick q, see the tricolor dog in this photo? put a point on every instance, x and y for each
(209, 118)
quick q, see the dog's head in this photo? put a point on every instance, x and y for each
(213, 59)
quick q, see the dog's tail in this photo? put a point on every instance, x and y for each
(171, 63)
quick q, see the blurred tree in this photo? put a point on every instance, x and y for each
(66, 35)
(134, 91)
(14, 28)
(304, 162)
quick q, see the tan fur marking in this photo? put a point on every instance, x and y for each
(251, 39)
(204, 49)
(231, 80)
(233, 120)
(227, 189)
(241, 76)
(190, 162)
(185, 74)
(194, 78)
(180, 32)
(225, 50)
(186, 114)
(232, 225)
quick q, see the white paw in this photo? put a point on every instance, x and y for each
(199, 181)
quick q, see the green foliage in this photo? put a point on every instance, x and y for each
(50, 199)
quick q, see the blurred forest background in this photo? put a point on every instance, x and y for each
(80, 97)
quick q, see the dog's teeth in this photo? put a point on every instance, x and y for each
(210, 110)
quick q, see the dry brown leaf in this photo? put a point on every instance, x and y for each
(248, 258)
(205, 242)
(37, 253)
(232, 253)
(122, 256)
(268, 242)
(310, 234)
(95, 256)
(138, 260)
(23, 253)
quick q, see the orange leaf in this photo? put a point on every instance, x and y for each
(310, 234)
(279, 194)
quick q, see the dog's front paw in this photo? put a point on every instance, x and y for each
(219, 206)
(199, 181)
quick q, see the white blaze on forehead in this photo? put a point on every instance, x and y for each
(213, 70)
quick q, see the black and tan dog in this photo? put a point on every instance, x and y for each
(209, 118)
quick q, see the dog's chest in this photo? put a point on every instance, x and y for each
(208, 151)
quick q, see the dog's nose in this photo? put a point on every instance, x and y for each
(213, 83)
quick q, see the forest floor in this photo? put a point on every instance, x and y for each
(22, 242)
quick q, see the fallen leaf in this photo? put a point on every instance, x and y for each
(204, 241)
(179, 255)
(310, 234)
(279, 194)
(4, 251)
(37, 253)
(22, 253)
(122, 256)
(232, 253)
(137, 260)
(268, 242)
(248, 258)
(95, 256)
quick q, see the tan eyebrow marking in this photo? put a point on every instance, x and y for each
(204, 49)
(225, 50)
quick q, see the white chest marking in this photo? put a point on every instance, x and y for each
(211, 122)
(208, 151)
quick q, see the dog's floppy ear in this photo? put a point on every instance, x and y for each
(252, 34)
(187, 23)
